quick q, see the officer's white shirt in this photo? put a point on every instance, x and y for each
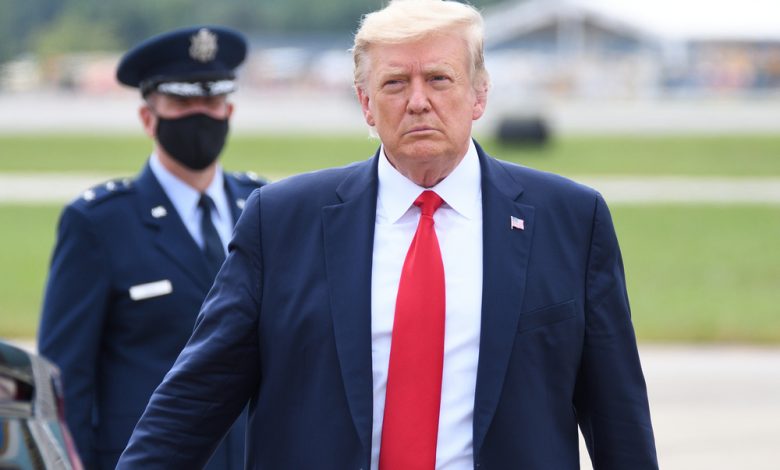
(458, 225)
(185, 200)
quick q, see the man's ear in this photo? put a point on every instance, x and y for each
(364, 105)
(148, 119)
(481, 92)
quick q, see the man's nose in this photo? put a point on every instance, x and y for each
(200, 106)
(418, 98)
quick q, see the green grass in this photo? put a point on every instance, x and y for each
(652, 155)
(25, 245)
(702, 273)
(282, 155)
(695, 273)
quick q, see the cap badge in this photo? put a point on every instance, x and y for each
(203, 46)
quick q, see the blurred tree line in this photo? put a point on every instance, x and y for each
(50, 27)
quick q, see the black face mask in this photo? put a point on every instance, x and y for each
(195, 141)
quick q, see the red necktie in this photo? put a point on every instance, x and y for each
(413, 396)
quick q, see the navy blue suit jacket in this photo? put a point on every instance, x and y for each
(287, 325)
(114, 345)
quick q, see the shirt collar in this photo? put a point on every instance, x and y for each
(461, 189)
(184, 197)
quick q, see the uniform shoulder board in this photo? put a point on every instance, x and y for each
(249, 177)
(106, 190)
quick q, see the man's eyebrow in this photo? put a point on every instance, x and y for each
(393, 70)
(427, 69)
(441, 67)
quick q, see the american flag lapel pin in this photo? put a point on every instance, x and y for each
(516, 223)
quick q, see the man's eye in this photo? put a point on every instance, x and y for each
(393, 85)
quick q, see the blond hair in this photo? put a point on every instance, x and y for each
(409, 20)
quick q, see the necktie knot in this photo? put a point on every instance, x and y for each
(206, 204)
(428, 201)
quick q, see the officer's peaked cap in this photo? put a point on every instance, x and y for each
(193, 61)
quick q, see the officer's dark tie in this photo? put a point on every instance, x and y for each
(212, 245)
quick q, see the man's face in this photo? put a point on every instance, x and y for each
(172, 107)
(420, 97)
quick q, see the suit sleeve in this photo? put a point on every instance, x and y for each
(74, 309)
(217, 371)
(611, 396)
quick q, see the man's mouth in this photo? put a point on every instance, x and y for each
(420, 129)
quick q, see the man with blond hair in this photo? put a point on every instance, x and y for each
(431, 307)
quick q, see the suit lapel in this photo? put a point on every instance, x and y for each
(349, 241)
(506, 251)
(171, 237)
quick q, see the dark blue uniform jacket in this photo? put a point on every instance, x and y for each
(125, 286)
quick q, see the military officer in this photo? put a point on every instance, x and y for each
(134, 258)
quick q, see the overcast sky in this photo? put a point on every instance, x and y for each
(700, 18)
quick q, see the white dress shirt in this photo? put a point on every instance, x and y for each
(185, 200)
(458, 225)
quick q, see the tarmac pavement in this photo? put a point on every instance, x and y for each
(714, 407)
(338, 111)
